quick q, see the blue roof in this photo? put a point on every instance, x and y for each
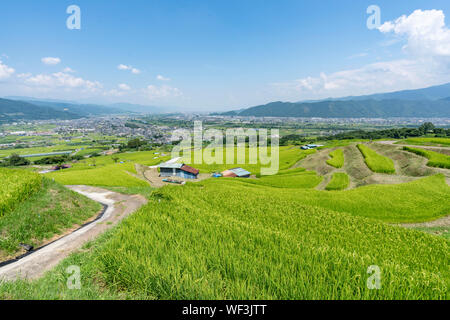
(240, 172)
(171, 165)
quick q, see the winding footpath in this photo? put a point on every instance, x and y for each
(34, 265)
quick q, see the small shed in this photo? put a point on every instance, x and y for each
(236, 173)
(178, 170)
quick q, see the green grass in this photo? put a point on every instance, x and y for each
(144, 191)
(422, 200)
(339, 181)
(337, 158)
(436, 159)
(110, 175)
(376, 162)
(261, 242)
(46, 213)
(445, 142)
(16, 186)
(437, 231)
(288, 156)
(244, 251)
(297, 179)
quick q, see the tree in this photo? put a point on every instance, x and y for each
(427, 127)
(16, 160)
(135, 143)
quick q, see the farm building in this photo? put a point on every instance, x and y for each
(236, 173)
(178, 170)
(311, 146)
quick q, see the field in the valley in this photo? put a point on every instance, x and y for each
(309, 232)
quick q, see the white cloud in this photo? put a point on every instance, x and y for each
(5, 71)
(129, 68)
(123, 67)
(68, 70)
(124, 87)
(427, 63)
(425, 31)
(51, 61)
(62, 80)
(161, 78)
(155, 92)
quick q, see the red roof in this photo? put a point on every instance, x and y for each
(190, 169)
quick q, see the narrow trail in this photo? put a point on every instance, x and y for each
(38, 262)
(441, 222)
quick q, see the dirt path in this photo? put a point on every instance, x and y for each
(36, 264)
(442, 222)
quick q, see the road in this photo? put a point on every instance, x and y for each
(37, 263)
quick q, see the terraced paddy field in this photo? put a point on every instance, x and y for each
(436, 159)
(408, 166)
(296, 250)
(272, 237)
(376, 162)
(440, 142)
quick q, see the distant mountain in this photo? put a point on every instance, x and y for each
(423, 103)
(84, 110)
(351, 109)
(11, 110)
(88, 109)
(429, 93)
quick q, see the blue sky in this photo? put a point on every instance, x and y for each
(217, 55)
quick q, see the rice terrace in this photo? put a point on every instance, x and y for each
(175, 196)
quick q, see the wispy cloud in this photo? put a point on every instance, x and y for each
(5, 71)
(153, 92)
(62, 80)
(68, 70)
(51, 61)
(161, 78)
(124, 86)
(128, 68)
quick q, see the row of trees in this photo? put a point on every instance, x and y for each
(427, 128)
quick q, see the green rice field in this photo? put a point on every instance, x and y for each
(376, 162)
(339, 181)
(337, 158)
(436, 159)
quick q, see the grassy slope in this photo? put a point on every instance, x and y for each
(437, 159)
(295, 250)
(16, 186)
(109, 175)
(244, 251)
(48, 212)
(376, 162)
(288, 156)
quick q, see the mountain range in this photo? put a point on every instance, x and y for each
(26, 108)
(421, 103)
